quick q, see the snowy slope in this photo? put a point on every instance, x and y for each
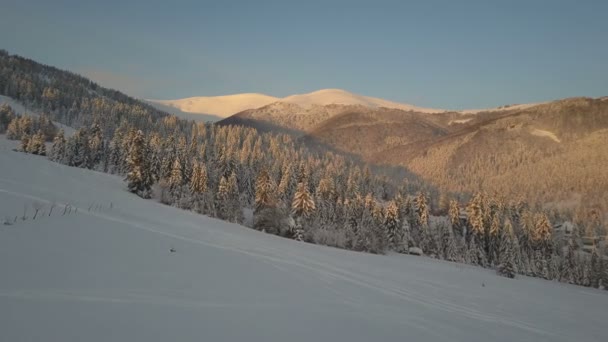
(220, 106)
(106, 274)
(21, 110)
(339, 96)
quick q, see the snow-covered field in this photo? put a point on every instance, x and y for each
(105, 273)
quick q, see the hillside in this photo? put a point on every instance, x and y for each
(338, 96)
(105, 272)
(552, 152)
(518, 150)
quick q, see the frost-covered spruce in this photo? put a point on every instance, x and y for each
(198, 181)
(58, 148)
(139, 180)
(392, 224)
(302, 206)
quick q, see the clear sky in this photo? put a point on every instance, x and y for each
(434, 53)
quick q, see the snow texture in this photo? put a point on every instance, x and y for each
(107, 273)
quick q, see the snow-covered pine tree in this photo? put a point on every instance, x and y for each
(264, 192)
(506, 266)
(454, 215)
(36, 144)
(302, 206)
(325, 201)
(265, 214)
(447, 244)
(542, 234)
(422, 210)
(96, 146)
(139, 180)
(176, 181)
(393, 227)
(222, 198)
(569, 264)
(285, 189)
(603, 266)
(59, 147)
(25, 142)
(198, 187)
(493, 240)
(234, 202)
(475, 215)
(198, 181)
(595, 268)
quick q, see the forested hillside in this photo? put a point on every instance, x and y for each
(551, 154)
(319, 197)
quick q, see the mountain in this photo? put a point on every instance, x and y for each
(539, 151)
(225, 106)
(553, 153)
(217, 107)
(110, 261)
(339, 96)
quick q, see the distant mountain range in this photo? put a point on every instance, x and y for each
(213, 108)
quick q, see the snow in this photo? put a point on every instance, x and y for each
(224, 106)
(502, 108)
(547, 134)
(107, 274)
(461, 121)
(220, 106)
(339, 96)
(16, 105)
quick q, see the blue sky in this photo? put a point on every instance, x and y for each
(434, 53)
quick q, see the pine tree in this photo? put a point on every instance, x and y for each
(198, 181)
(448, 245)
(234, 205)
(493, 240)
(302, 206)
(603, 267)
(175, 179)
(198, 187)
(223, 195)
(542, 234)
(264, 192)
(393, 226)
(475, 215)
(266, 215)
(595, 268)
(569, 265)
(506, 266)
(422, 210)
(58, 149)
(139, 180)
(454, 215)
(36, 144)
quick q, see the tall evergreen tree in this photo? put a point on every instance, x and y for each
(302, 206)
(58, 149)
(139, 180)
(393, 227)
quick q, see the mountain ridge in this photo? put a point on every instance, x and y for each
(216, 108)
